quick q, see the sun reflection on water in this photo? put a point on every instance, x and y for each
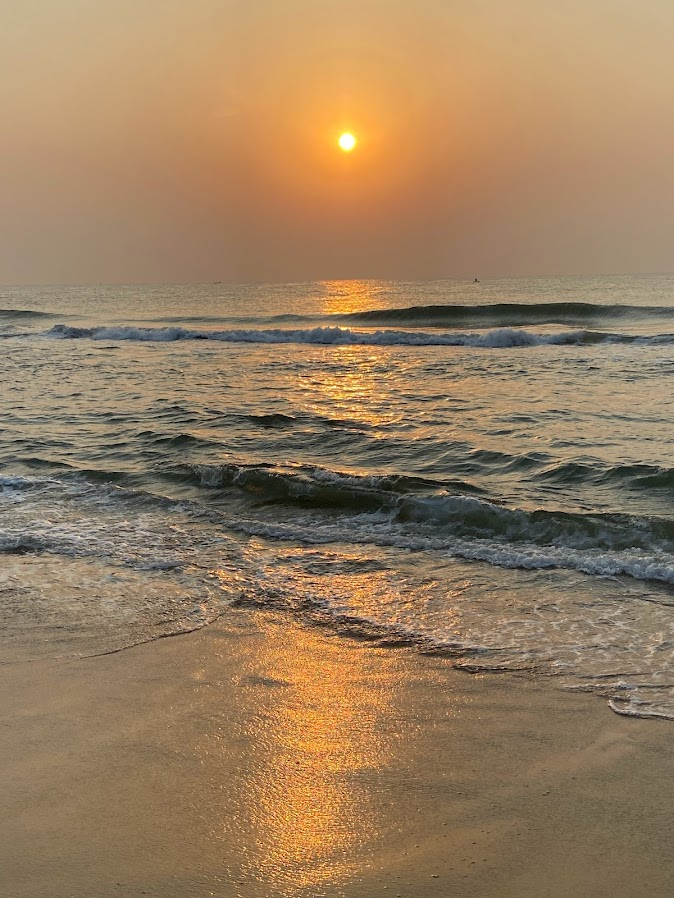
(354, 385)
(348, 297)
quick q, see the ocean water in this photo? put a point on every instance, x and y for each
(483, 470)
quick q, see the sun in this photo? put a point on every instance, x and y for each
(346, 141)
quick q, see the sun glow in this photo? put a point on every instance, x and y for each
(347, 141)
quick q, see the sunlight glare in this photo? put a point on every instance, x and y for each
(347, 142)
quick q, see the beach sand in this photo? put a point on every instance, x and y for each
(259, 757)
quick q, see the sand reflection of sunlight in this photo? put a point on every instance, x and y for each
(309, 804)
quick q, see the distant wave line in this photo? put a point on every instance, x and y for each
(27, 313)
(572, 314)
(506, 313)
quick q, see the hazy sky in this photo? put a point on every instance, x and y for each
(195, 140)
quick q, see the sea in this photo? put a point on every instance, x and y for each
(482, 470)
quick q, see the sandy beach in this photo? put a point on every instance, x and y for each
(254, 758)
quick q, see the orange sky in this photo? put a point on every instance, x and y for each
(171, 141)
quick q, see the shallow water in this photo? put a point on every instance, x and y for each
(478, 469)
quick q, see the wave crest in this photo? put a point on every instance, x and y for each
(501, 338)
(506, 314)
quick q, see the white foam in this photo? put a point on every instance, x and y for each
(376, 529)
(501, 338)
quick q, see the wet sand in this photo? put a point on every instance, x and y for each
(259, 758)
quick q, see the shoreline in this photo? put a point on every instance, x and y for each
(258, 758)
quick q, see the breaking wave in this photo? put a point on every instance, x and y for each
(422, 514)
(320, 506)
(501, 338)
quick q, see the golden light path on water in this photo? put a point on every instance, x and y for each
(346, 297)
(354, 376)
